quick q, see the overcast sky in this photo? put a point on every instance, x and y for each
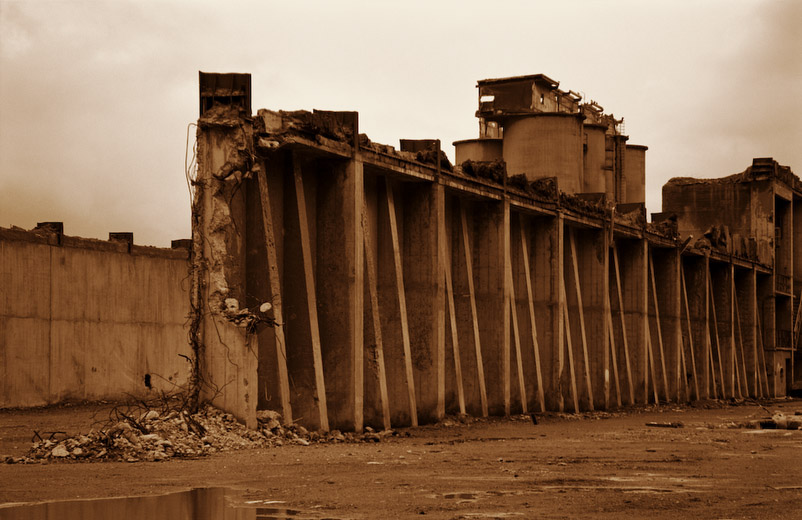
(96, 96)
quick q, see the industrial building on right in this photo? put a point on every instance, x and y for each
(753, 214)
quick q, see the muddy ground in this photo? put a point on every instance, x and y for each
(595, 467)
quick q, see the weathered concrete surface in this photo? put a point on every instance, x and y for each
(86, 319)
(228, 356)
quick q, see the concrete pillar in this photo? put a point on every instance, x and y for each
(462, 306)
(425, 293)
(340, 279)
(257, 280)
(721, 278)
(535, 231)
(590, 247)
(373, 412)
(560, 371)
(765, 322)
(669, 297)
(633, 270)
(486, 224)
(746, 289)
(297, 330)
(394, 357)
(697, 293)
(227, 368)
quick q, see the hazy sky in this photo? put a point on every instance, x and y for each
(96, 96)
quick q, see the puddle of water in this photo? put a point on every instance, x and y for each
(461, 496)
(491, 515)
(473, 496)
(196, 504)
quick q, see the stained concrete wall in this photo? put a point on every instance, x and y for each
(87, 319)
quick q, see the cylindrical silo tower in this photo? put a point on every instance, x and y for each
(546, 144)
(635, 173)
(483, 149)
(594, 177)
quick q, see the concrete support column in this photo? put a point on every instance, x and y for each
(545, 261)
(746, 288)
(669, 298)
(765, 323)
(471, 358)
(228, 373)
(298, 324)
(633, 267)
(486, 223)
(258, 279)
(425, 293)
(698, 356)
(561, 385)
(340, 286)
(584, 257)
(372, 399)
(720, 276)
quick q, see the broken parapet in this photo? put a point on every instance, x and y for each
(319, 123)
(427, 151)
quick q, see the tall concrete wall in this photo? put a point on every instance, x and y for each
(87, 319)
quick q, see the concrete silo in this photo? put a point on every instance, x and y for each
(547, 144)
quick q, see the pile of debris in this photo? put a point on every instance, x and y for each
(154, 436)
(493, 171)
(778, 421)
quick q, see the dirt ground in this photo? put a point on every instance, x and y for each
(595, 467)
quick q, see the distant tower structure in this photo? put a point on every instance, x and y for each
(540, 130)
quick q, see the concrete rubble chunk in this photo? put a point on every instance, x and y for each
(60, 451)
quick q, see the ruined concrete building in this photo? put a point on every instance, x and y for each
(347, 283)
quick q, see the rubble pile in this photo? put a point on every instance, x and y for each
(578, 203)
(720, 238)
(431, 155)
(493, 171)
(331, 125)
(667, 227)
(152, 436)
(778, 421)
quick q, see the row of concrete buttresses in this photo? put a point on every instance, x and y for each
(525, 278)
